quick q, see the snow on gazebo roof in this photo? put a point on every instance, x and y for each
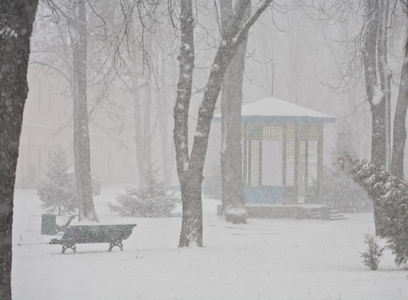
(274, 110)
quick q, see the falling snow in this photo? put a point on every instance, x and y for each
(299, 73)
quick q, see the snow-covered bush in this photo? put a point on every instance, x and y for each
(371, 257)
(390, 195)
(341, 192)
(57, 193)
(236, 215)
(152, 200)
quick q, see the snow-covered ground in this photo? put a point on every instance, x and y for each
(264, 259)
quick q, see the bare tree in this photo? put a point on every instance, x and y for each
(190, 166)
(78, 35)
(378, 86)
(138, 47)
(76, 17)
(399, 130)
(372, 53)
(16, 24)
(375, 41)
(75, 22)
(164, 118)
(233, 196)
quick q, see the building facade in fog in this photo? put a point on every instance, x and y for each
(48, 124)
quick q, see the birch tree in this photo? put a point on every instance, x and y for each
(190, 165)
(16, 24)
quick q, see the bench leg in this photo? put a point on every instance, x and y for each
(66, 246)
(117, 243)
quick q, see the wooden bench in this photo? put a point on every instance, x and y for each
(84, 234)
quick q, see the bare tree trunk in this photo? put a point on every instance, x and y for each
(400, 132)
(78, 33)
(138, 132)
(385, 76)
(165, 143)
(137, 110)
(141, 105)
(378, 93)
(166, 147)
(16, 23)
(190, 169)
(147, 136)
(142, 94)
(378, 140)
(233, 196)
(192, 219)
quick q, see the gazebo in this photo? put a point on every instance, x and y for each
(282, 147)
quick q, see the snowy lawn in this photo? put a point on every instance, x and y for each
(264, 259)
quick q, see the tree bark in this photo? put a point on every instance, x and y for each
(378, 93)
(166, 147)
(233, 196)
(385, 76)
(400, 132)
(16, 23)
(378, 140)
(137, 110)
(82, 157)
(192, 207)
(142, 107)
(190, 169)
(147, 136)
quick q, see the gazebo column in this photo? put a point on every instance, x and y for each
(320, 164)
(296, 161)
(245, 155)
(249, 141)
(306, 168)
(284, 159)
(260, 159)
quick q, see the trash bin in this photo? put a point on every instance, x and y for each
(48, 224)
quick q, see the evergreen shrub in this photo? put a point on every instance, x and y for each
(152, 200)
(390, 195)
(57, 193)
(371, 257)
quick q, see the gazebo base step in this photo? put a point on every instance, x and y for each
(297, 211)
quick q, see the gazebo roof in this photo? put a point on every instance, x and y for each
(274, 110)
